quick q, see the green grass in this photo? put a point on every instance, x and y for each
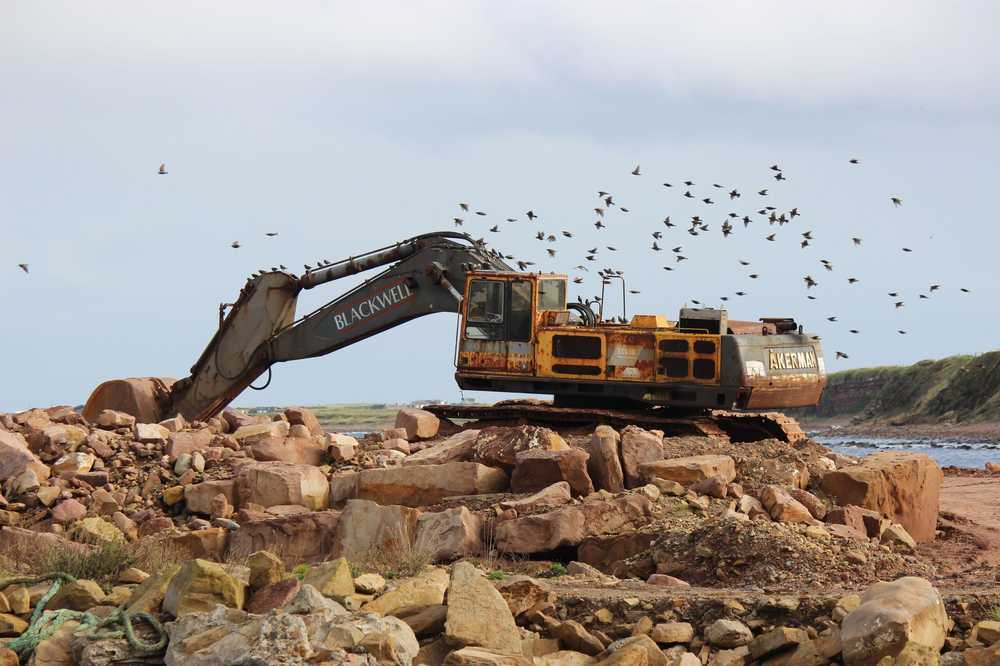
(346, 417)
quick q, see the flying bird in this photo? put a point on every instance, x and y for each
(896, 201)
(531, 215)
(842, 355)
(771, 237)
(464, 206)
(906, 249)
(163, 170)
(857, 241)
(271, 234)
(762, 193)
(495, 228)
(23, 267)
(853, 160)
(635, 171)
(458, 221)
(234, 244)
(831, 319)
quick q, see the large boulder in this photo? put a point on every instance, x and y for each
(604, 465)
(891, 617)
(226, 636)
(386, 640)
(367, 529)
(274, 483)
(783, 508)
(198, 496)
(499, 446)
(570, 525)
(905, 487)
(426, 589)
(478, 614)
(188, 441)
(296, 450)
(538, 469)
(639, 446)
(305, 537)
(16, 457)
(457, 448)
(423, 485)
(305, 417)
(200, 585)
(690, 469)
(450, 534)
(418, 423)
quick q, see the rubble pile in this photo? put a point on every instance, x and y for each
(268, 540)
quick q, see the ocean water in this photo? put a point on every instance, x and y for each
(959, 453)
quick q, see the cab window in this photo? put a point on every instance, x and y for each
(484, 319)
(552, 294)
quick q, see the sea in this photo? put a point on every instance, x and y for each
(966, 452)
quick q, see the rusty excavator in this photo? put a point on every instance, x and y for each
(700, 374)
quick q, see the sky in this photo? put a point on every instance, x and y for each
(346, 126)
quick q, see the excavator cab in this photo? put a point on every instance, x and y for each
(501, 314)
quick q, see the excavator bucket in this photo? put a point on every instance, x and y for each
(145, 398)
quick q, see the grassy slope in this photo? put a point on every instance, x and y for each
(953, 389)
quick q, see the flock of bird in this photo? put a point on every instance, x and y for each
(763, 213)
(696, 226)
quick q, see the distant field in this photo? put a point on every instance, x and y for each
(351, 417)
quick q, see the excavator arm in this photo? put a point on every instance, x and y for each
(426, 274)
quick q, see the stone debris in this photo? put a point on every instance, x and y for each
(265, 539)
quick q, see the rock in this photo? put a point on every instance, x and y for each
(305, 417)
(570, 525)
(56, 650)
(499, 446)
(294, 450)
(369, 583)
(478, 614)
(777, 640)
(16, 458)
(426, 589)
(725, 633)
(850, 516)
(663, 580)
(173, 495)
(247, 434)
(11, 625)
(309, 600)
(148, 596)
(477, 656)
(604, 464)
(713, 486)
(366, 528)
(565, 658)
(638, 446)
(78, 595)
(987, 632)
(549, 497)
(271, 483)
(8, 657)
(690, 469)
(640, 650)
(426, 620)
(903, 486)
(188, 441)
(424, 485)
(199, 586)
(227, 636)
(110, 419)
(522, 593)
(95, 530)
(811, 502)
(68, 511)
(55, 440)
(671, 633)
(457, 448)
(266, 568)
(782, 507)
(538, 469)
(419, 424)
(892, 615)
(573, 636)
(450, 534)
(388, 639)
(308, 537)
(150, 433)
(897, 535)
(199, 496)
(104, 503)
(273, 596)
(332, 579)
(341, 448)
(74, 463)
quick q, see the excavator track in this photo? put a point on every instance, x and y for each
(736, 426)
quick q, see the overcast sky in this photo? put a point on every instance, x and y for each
(345, 126)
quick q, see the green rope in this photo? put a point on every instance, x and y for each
(44, 623)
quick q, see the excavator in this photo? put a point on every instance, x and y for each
(517, 333)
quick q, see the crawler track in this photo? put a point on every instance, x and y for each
(737, 426)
